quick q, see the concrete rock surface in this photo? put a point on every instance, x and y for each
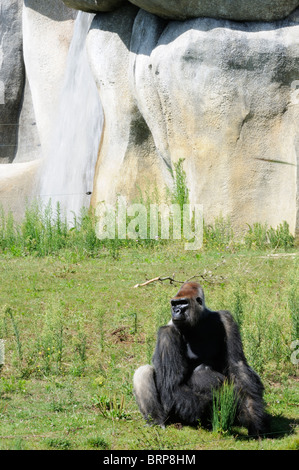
(12, 77)
(47, 32)
(217, 93)
(16, 184)
(94, 6)
(42, 30)
(239, 10)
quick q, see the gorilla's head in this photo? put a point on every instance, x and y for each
(187, 305)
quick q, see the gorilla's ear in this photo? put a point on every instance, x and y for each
(199, 300)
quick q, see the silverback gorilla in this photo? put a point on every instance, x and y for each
(194, 354)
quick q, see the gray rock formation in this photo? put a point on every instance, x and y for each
(16, 184)
(238, 10)
(12, 77)
(47, 32)
(218, 93)
(128, 158)
(94, 6)
(46, 28)
(28, 146)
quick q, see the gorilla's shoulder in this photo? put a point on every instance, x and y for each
(223, 317)
(167, 330)
(229, 323)
(226, 315)
(218, 315)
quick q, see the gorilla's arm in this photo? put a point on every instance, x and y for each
(172, 373)
(246, 380)
(170, 361)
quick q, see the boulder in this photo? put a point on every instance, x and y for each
(12, 76)
(94, 6)
(238, 10)
(217, 93)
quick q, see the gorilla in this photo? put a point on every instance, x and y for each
(195, 353)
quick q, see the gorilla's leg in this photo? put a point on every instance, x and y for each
(202, 382)
(147, 396)
(205, 380)
(194, 400)
(251, 412)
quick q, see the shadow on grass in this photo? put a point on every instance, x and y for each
(281, 426)
(278, 428)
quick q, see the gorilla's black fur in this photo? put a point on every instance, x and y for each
(194, 354)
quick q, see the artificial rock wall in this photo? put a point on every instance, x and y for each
(34, 40)
(213, 82)
(219, 93)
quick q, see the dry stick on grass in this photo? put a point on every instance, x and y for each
(159, 278)
(204, 276)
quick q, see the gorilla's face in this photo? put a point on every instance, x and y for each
(180, 311)
(187, 305)
(185, 312)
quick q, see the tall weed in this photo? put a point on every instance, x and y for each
(44, 230)
(225, 404)
(219, 235)
(10, 314)
(180, 192)
(293, 299)
(50, 343)
(259, 236)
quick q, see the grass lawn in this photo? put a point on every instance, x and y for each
(75, 330)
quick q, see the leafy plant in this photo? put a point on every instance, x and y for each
(110, 407)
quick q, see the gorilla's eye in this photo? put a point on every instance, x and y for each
(199, 300)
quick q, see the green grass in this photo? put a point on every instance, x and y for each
(75, 330)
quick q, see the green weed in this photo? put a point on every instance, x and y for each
(239, 299)
(219, 235)
(98, 443)
(110, 407)
(281, 236)
(259, 236)
(46, 232)
(9, 313)
(58, 443)
(294, 310)
(180, 192)
(225, 404)
(50, 342)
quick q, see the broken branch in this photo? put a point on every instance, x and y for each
(159, 278)
(206, 276)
